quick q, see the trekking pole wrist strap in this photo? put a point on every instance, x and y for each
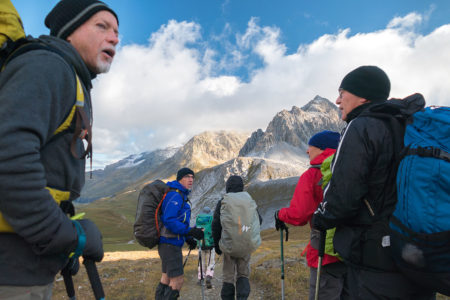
(81, 240)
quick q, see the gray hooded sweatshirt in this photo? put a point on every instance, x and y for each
(37, 92)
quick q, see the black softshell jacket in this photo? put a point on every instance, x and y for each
(363, 169)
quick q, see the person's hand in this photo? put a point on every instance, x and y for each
(278, 223)
(317, 223)
(93, 248)
(72, 267)
(192, 243)
(197, 233)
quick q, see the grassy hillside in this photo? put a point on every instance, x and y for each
(115, 218)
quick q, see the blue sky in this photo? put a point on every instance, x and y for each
(183, 67)
(299, 21)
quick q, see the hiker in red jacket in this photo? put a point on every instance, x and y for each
(307, 196)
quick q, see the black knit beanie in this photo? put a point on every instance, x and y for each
(234, 184)
(368, 82)
(68, 15)
(183, 172)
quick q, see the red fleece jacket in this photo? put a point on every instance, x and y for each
(307, 196)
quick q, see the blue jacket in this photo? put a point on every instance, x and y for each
(176, 215)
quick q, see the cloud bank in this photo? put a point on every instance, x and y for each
(181, 84)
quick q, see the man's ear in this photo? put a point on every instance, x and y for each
(364, 101)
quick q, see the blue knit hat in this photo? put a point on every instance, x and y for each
(325, 139)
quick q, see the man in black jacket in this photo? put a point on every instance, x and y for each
(361, 194)
(42, 161)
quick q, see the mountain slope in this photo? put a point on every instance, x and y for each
(202, 151)
(117, 176)
(287, 134)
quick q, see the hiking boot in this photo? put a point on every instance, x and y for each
(208, 282)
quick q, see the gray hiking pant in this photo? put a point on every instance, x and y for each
(41, 292)
(234, 268)
(331, 285)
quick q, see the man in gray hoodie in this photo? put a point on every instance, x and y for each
(42, 156)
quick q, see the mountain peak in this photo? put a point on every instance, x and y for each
(319, 104)
(293, 128)
(210, 148)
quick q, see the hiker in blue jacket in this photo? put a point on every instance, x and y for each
(175, 216)
(361, 195)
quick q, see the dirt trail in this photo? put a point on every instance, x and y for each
(193, 291)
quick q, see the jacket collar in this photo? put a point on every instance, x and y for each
(359, 109)
(176, 185)
(322, 156)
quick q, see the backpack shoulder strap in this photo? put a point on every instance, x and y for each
(180, 193)
(318, 166)
(83, 126)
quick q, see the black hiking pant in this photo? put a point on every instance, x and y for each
(368, 285)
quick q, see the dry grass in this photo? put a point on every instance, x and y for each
(133, 275)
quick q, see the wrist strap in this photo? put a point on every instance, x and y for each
(81, 240)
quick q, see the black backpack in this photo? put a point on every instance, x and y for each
(147, 226)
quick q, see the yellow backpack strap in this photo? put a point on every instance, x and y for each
(79, 103)
(57, 195)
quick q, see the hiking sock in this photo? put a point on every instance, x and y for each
(242, 288)
(160, 290)
(227, 292)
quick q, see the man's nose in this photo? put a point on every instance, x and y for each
(113, 37)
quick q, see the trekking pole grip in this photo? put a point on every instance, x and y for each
(94, 278)
(322, 236)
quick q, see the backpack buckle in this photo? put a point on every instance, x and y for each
(445, 156)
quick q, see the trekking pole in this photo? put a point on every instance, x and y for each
(68, 282)
(67, 272)
(185, 261)
(322, 235)
(282, 264)
(201, 270)
(94, 278)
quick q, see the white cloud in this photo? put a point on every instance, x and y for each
(407, 22)
(165, 92)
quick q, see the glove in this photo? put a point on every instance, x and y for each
(218, 251)
(197, 233)
(279, 224)
(192, 243)
(93, 248)
(317, 223)
(72, 267)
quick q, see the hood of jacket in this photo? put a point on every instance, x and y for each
(74, 58)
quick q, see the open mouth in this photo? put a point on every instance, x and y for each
(109, 52)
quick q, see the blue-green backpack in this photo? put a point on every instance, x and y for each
(204, 221)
